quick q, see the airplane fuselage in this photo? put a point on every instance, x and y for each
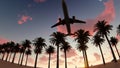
(65, 10)
(66, 16)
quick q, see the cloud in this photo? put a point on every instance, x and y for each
(118, 37)
(97, 56)
(24, 19)
(107, 14)
(31, 60)
(61, 61)
(43, 59)
(39, 1)
(71, 53)
(54, 56)
(3, 40)
(78, 59)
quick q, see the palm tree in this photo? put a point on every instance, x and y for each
(21, 50)
(57, 39)
(28, 52)
(118, 30)
(9, 48)
(114, 42)
(98, 41)
(65, 47)
(103, 29)
(82, 37)
(25, 44)
(15, 50)
(3, 50)
(0, 49)
(83, 48)
(12, 44)
(39, 43)
(50, 50)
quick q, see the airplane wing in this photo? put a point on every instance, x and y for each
(79, 21)
(57, 24)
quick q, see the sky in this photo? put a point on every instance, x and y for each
(29, 19)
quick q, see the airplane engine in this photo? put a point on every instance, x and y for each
(73, 17)
(60, 20)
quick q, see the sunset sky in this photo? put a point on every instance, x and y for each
(29, 19)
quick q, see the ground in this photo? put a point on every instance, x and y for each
(4, 64)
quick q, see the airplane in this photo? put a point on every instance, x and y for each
(67, 21)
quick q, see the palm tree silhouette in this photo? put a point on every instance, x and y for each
(21, 50)
(28, 52)
(50, 50)
(8, 48)
(25, 44)
(65, 47)
(3, 50)
(82, 37)
(39, 43)
(15, 50)
(0, 49)
(118, 30)
(57, 39)
(103, 29)
(98, 41)
(12, 44)
(114, 42)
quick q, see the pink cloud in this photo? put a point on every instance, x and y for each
(24, 19)
(77, 59)
(39, 1)
(43, 58)
(71, 53)
(61, 61)
(3, 40)
(31, 60)
(107, 14)
(97, 56)
(118, 37)
(70, 63)
(53, 56)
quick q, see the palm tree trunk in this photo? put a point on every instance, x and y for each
(26, 60)
(19, 58)
(65, 59)
(101, 54)
(114, 58)
(86, 59)
(7, 56)
(49, 60)
(117, 51)
(10, 56)
(22, 58)
(57, 56)
(13, 57)
(3, 56)
(36, 61)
